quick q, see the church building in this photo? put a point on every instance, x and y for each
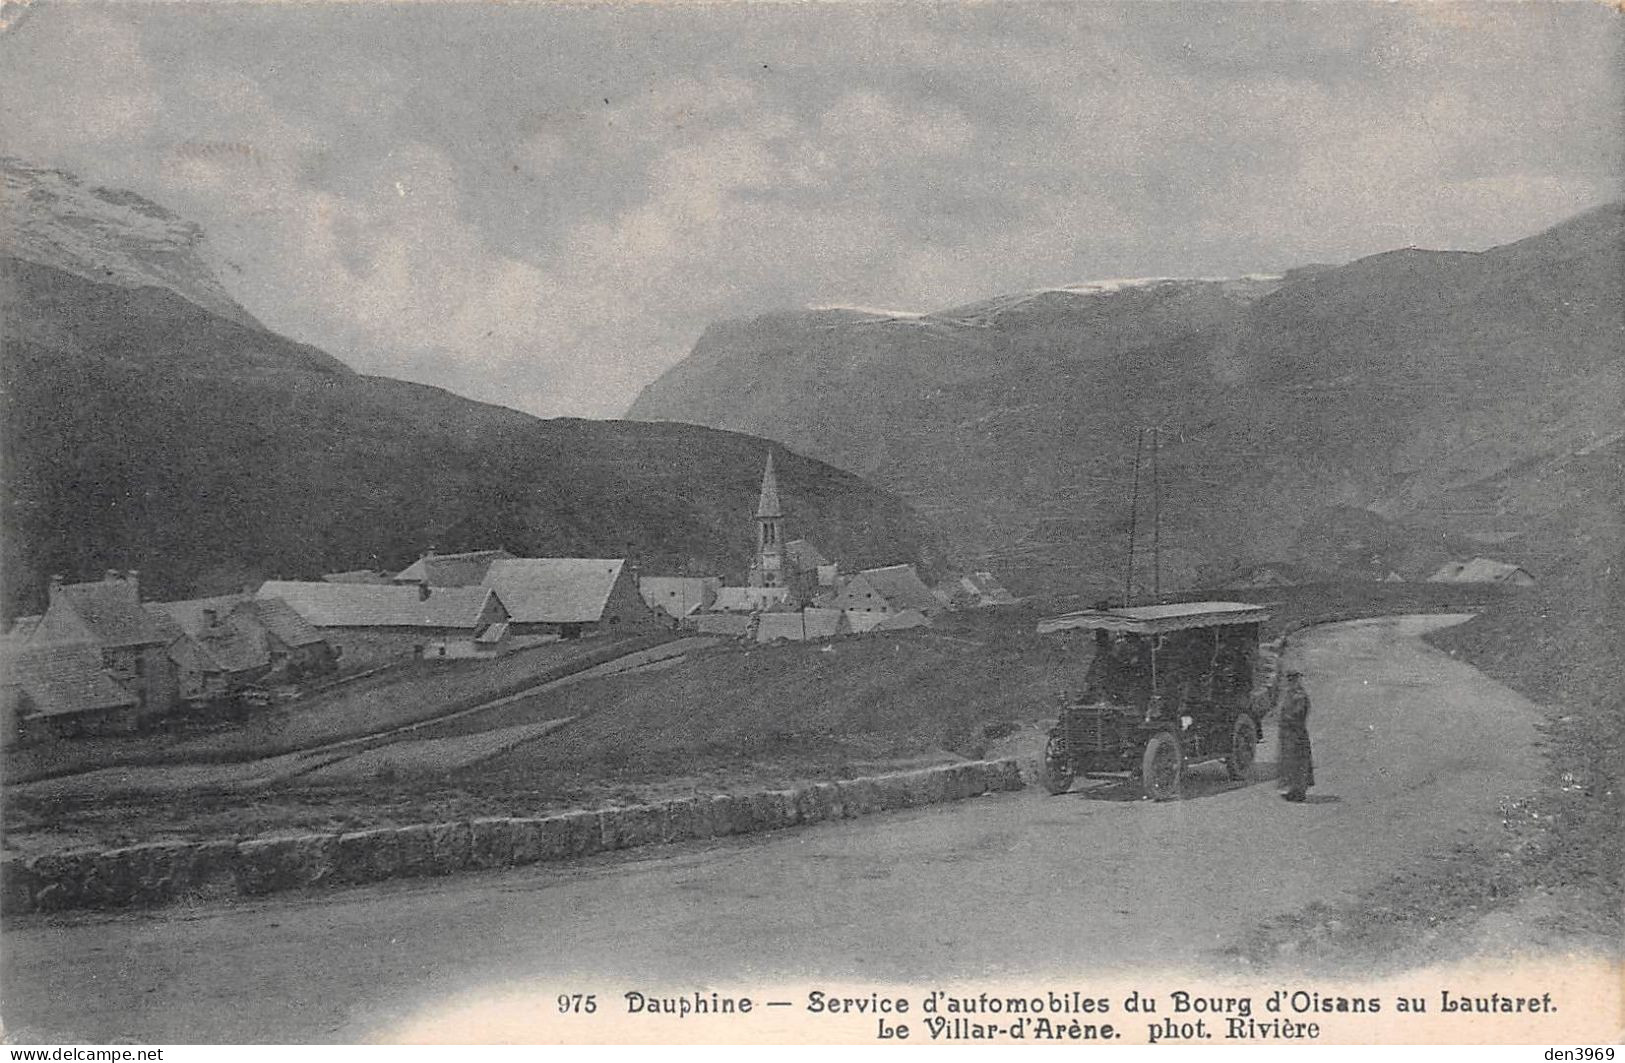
(795, 564)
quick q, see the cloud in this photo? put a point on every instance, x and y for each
(543, 205)
(79, 82)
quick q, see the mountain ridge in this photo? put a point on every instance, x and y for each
(111, 236)
(1385, 385)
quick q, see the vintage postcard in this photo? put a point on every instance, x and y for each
(870, 523)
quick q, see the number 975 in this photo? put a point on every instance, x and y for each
(578, 1003)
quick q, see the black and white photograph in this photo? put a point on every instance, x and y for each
(963, 523)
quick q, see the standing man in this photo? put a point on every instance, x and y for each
(1297, 763)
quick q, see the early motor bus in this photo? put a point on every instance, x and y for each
(1169, 686)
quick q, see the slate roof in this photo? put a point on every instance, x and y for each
(554, 590)
(902, 588)
(356, 575)
(165, 624)
(768, 504)
(235, 642)
(282, 621)
(365, 605)
(111, 612)
(62, 678)
(451, 570)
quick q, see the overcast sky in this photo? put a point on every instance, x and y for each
(543, 206)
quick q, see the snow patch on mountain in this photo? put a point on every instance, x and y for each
(109, 236)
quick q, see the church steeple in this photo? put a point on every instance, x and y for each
(768, 569)
(768, 506)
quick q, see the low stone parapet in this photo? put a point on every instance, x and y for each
(162, 872)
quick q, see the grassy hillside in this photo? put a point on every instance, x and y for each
(143, 432)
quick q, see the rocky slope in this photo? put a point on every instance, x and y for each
(1384, 414)
(110, 236)
(150, 423)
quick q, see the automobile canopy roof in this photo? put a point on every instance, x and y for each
(1156, 619)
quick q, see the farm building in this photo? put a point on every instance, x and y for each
(215, 644)
(108, 614)
(570, 596)
(370, 625)
(297, 648)
(887, 590)
(679, 596)
(1482, 570)
(442, 612)
(59, 690)
(451, 570)
(804, 625)
(218, 645)
(977, 590)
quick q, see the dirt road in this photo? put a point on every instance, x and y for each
(1413, 752)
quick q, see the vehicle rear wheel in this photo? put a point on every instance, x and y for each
(1162, 768)
(1055, 770)
(1243, 747)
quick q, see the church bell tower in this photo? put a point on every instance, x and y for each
(768, 568)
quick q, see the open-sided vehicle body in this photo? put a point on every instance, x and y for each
(1169, 685)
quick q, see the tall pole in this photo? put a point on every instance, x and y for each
(1133, 519)
(1156, 518)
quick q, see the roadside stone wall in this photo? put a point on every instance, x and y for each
(166, 872)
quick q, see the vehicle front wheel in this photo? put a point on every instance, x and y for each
(1243, 747)
(1162, 768)
(1055, 770)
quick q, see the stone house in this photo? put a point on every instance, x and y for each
(891, 589)
(108, 615)
(61, 690)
